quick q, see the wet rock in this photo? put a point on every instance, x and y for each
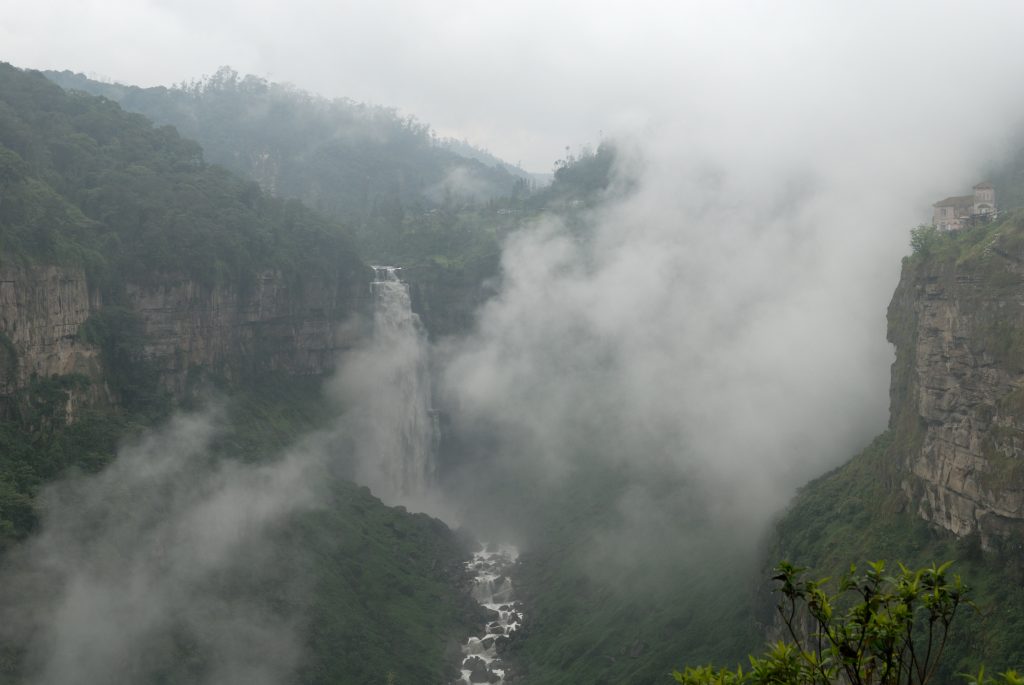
(479, 671)
(491, 587)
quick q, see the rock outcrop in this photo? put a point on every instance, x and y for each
(957, 320)
(42, 309)
(270, 324)
(273, 323)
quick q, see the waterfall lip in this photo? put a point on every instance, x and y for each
(390, 273)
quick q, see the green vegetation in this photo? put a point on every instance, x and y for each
(579, 180)
(438, 208)
(874, 628)
(858, 511)
(86, 183)
(379, 590)
(611, 600)
(37, 446)
(385, 175)
(385, 598)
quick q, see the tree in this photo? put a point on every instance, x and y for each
(923, 239)
(875, 630)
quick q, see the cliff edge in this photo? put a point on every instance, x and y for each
(957, 391)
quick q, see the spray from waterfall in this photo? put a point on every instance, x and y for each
(387, 387)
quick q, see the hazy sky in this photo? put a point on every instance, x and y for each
(527, 78)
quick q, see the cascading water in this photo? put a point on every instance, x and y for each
(388, 385)
(492, 588)
(394, 436)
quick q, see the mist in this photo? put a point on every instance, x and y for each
(721, 318)
(711, 331)
(142, 559)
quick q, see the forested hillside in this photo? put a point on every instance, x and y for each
(380, 173)
(438, 208)
(138, 280)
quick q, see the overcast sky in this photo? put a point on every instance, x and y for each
(527, 78)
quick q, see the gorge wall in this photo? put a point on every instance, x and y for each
(957, 392)
(268, 324)
(271, 323)
(42, 309)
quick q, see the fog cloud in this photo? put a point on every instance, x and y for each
(726, 318)
(525, 79)
(147, 561)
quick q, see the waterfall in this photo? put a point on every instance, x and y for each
(387, 386)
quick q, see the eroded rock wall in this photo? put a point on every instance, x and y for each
(42, 309)
(296, 326)
(958, 386)
(272, 323)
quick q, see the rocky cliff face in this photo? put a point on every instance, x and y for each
(957, 320)
(270, 324)
(42, 309)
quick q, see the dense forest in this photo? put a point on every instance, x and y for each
(242, 183)
(386, 176)
(88, 188)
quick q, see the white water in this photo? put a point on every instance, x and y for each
(389, 385)
(493, 589)
(396, 439)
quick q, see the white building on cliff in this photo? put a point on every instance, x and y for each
(959, 211)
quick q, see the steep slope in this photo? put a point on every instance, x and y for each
(135, 278)
(606, 609)
(410, 200)
(130, 270)
(365, 165)
(121, 214)
(945, 481)
(438, 208)
(957, 321)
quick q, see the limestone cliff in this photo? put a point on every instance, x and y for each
(273, 323)
(42, 309)
(957, 320)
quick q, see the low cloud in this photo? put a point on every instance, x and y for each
(724, 320)
(139, 571)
